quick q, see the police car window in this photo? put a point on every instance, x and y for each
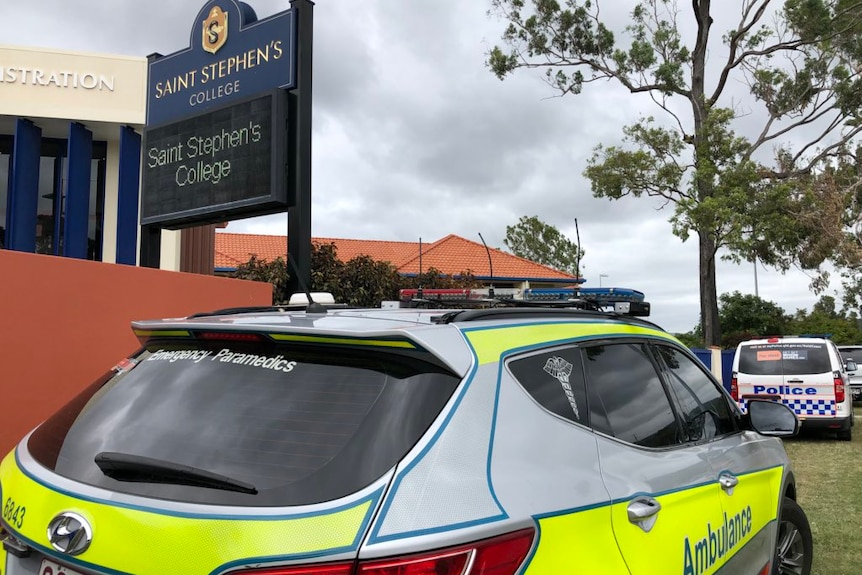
(784, 358)
(627, 399)
(703, 407)
(555, 379)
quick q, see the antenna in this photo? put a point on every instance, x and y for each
(312, 307)
(490, 266)
(578, 259)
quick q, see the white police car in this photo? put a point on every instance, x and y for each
(805, 373)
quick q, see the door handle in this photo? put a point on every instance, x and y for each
(728, 482)
(795, 381)
(643, 512)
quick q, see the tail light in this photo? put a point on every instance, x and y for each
(497, 556)
(501, 555)
(734, 388)
(839, 387)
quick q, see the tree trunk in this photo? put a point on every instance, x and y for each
(703, 183)
(709, 322)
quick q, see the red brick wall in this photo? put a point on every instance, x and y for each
(64, 322)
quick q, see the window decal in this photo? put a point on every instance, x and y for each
(561, 370)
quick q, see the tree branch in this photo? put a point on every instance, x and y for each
(740, 33)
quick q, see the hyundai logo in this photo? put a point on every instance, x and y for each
(70, 533)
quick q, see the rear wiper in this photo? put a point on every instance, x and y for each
(136, 468)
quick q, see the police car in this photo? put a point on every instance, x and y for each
(807, 374)
(523, 439)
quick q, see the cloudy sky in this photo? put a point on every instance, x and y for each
(414, 137)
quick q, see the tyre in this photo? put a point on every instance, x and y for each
(794, 547)
(845, 434)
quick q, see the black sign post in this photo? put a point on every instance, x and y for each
(299, 150)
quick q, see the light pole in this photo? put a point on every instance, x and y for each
(756, 292)
(600, 278)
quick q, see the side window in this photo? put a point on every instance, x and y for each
(704, 408)
(627, 398)
(555, 379)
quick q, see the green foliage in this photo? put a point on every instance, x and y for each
(433, 278)
(825, 319)
(365, 282)
(533, 239)
(690, 339)
(359, 282)
(803, 68)
(746, 316)
(273, 272)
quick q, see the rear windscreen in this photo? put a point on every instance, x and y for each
(300, 425)
(784, 359)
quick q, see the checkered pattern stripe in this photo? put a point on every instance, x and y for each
(803, 406)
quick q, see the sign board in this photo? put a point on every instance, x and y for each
(231, 56)
(225, 163)
(216, 136)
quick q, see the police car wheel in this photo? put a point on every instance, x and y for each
(794, 547)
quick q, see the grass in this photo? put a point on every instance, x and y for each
(829, 488)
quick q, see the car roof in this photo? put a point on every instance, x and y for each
(438, 331)
(370, 320)
(784, 339)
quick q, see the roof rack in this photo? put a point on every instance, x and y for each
(531, 312)
(302, 306)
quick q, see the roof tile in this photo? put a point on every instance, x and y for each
(451, 255)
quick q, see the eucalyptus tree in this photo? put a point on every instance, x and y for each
(543, 243)
(737, 167)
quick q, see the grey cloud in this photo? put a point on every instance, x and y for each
(414, 137)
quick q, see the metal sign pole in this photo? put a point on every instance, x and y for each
(299, 152)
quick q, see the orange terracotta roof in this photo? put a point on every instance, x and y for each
(451, 255)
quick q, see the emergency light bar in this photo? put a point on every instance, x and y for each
(454, 294)
(601, 296)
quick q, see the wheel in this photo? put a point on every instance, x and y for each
(794, 547)
(845, 434)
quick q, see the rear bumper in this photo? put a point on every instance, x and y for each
(827, 423)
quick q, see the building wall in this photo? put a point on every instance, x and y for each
(66, 321)
(53, 88)
(43, 83)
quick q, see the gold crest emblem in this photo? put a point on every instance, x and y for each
(215, 30)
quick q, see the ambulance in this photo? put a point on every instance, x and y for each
(518, 439)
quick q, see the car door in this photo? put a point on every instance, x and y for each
(749, 467)
(664, 492)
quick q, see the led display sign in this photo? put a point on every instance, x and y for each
(216, 166)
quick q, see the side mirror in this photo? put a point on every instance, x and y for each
(771, 418)
(850, 365)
